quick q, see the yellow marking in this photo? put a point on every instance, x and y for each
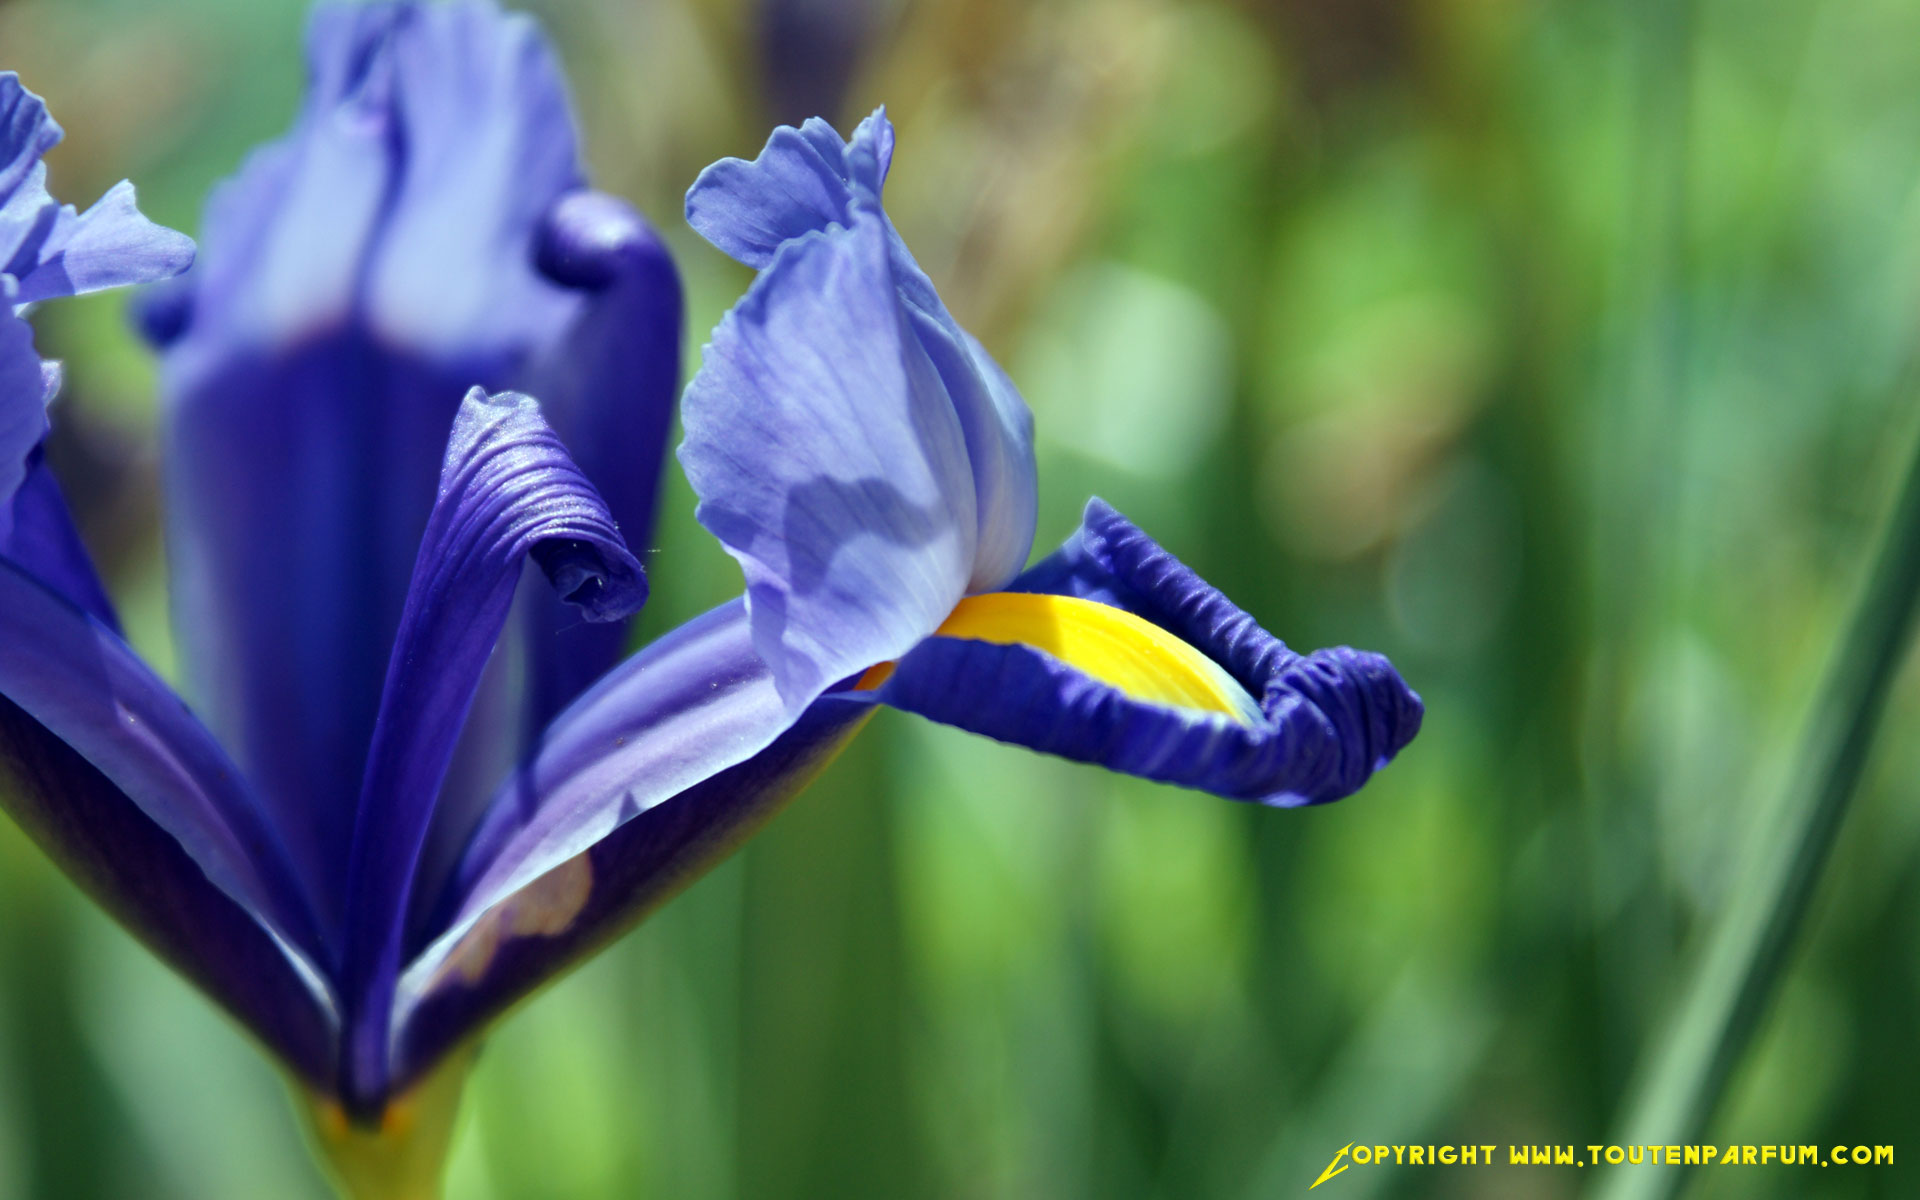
(1109, 644)
(1333, 1168)
(546, 907)
(401, 1155)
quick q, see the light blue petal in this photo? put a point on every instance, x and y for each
(110, 245)
(808, 181)
(830, 462)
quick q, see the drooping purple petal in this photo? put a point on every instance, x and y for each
(608, 389)
(1329, 719)
(508, 491)
(140, 874)
(655, 773)
(808, 181)
(830, 462)
(83, 685)
(360, 275)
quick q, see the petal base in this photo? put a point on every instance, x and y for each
(401, 1154)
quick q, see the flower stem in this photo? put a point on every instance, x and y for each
(1682, 1079)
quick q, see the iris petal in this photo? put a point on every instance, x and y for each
(1326, 721)
(508, 491)
(110, 245)
(82, 684)
(23, 409)
(43, 540)
(652, 776)
(143, 876)
(829, 461)
(1108, 644)
(607, 388)
(360, 275)
(807, 181)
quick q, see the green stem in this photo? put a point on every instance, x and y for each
(1682, 1081)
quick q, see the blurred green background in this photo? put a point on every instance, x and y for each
(1565, 352)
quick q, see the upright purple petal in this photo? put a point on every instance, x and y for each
(360, 276)
(830, 462)
(1327, 720)
(608, 389)
(507, 491)
(807, 181)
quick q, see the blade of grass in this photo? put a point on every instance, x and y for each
(1682, 1081)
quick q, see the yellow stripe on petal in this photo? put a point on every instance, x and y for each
(1110, 644)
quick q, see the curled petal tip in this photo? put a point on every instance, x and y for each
(601, 587)
(587, 236)
(1370, 711)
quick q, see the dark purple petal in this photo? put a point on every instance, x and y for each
(360, 275)
(141, 875)
(608, 389)
(43, 540)
(807, 181)
(830, 462)
(508, 491)
(1330, 719)
(85, 686)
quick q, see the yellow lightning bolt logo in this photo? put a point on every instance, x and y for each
(1338, 1165)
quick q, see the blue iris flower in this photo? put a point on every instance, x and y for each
(424, 785)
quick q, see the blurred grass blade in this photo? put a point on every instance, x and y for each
(1681, 1085)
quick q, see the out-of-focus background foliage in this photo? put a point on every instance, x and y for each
(1563, 351)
